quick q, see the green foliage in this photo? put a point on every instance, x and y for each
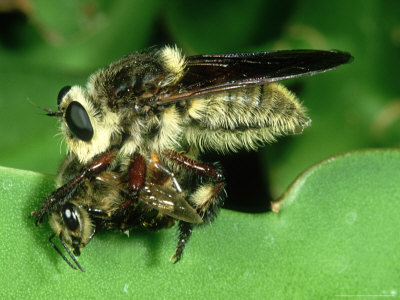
(337, 233)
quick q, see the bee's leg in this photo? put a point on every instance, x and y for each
(63, 193)
(185, 231)
(208, 197)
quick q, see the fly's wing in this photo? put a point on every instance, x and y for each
(243, 115)
(214, 73)
(168, 202)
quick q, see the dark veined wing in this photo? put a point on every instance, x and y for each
(214, 73)
(168, 202)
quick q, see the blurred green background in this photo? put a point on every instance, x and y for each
(47, 45)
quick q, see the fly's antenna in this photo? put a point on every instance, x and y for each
(49, 112)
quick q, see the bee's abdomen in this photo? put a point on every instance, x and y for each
(244, 118)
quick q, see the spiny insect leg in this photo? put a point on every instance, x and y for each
(195, 166)
(185, 231)
(209, 196)
(63, 193)
(161, 173)
(137, 174)
(136, 179)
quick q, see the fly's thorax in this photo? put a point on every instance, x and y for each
(154, 132)
(88, 125)
(133, 81)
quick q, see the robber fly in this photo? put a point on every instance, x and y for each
(136, 133)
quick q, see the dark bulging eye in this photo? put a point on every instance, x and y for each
(78, 121)
(70, 216)
(62, 93)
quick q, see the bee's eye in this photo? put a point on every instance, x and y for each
(62, 93)
(70, 216)
(78, 121)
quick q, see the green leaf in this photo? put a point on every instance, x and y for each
(337, 234)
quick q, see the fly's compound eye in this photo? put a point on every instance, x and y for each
(62, 93)
(70, 216)
(78, 121)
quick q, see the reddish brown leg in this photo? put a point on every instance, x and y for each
(160, 173)
(185, 231)
(60, 196)
(209, 206)
(136, 178)
(202, 169)
(194, 166)
(137, 173)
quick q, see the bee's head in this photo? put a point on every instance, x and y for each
(87, 124)
(73, 226)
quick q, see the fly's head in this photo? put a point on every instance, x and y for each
(87, 125)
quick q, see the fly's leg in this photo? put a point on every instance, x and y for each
(161, 174)
(136, 179)
(209, 196)
(137, 173)
(197, 167)
(56, 199)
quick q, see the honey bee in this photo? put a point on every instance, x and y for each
(136, 134)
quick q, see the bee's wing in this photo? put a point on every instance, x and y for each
(165, 200)
(169, 202)
(213, 73)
